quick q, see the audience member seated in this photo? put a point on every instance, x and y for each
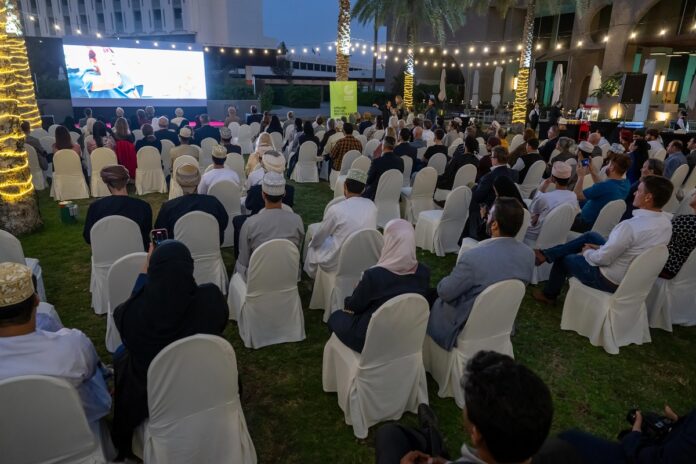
(121, 131)
(682, 242)
(307, 135)
(148, 140)
(318, 124)
(600, 263)
(343, 146)
(100, 138)
(485, 162)
(404, 147)
(452, 132)
(437, 146)
(166, 305)
(172, 210)
(87, 112)
(675, 157)
(366, 122)
(638, 152)
(342, 219)
(526, 161)
(27, 350)
(263, 144)
(483, 194)
(397, 272)
(544, 202)
(594, 139)
(477, 269)
(178, 117)
(563, 146)
(219, 172)
(428, 134)
(521, 149)
(270, 160)
(377, 126)
(254, 116)
(125, 148)
(163, 132)
(652, 136)
(206, 131)
(547, 149)
(226, 141)
(464, 154)
(501, 133)
(119, 204)
(594, 198)
(508, 415)
(150, 115)
(275, 126)
(64, 142)
(231, 116)
(651, 167)
(388, 160)
(184, 146)
(333, 140)
(330, 130)
(418, 141)
(289, 120)
(35, 143)
(270, 223)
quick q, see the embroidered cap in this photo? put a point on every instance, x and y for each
(219, 152)
(357, 175)
(15, 284)
(617, 148)
(561, 170)
(188, 176)
(185, 132)
(273, 161)
(273, 184)
(585, 147)
(225, 133)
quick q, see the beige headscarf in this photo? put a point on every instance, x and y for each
(399, 251)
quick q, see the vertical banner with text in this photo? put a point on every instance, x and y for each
(344, 98)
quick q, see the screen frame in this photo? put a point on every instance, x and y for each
(144, 45)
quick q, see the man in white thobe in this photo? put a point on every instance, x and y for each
(341, 220)
(544, 202)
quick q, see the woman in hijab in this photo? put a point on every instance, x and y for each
(275, 126)
(166, 305)
(397, 272)
(263, 144)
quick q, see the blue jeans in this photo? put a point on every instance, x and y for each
(568, 263)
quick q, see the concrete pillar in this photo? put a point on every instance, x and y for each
(642, 110)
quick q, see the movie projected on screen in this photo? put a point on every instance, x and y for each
(108, 74)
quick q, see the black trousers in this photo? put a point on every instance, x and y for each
(394, 441)
(237, 223)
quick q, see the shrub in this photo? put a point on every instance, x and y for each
(266, 98)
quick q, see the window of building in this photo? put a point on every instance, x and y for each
(178, 20)
(295, 65)
(323, 68)
(158, 19)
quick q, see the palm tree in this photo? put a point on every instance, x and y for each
(364, 16)
(439, 15)
(19, 212)
(343, 41)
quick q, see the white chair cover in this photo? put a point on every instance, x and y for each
(340, 179)
(138, 134)
(597, 162)
(438, 231)
(320, 134)
(363, 163)
(267, 306)
(234, 128)
(228, 194)
(174, 187)
(673, 301)
(206, 155)
(244, 139)
(377, 135)
(488, 328)
(532, 179)
(43, 422)
(277, 140)
(74, 136)
(439, 162)
(419, 197)
(615, 320)
(347, 161)
(677, 179)
(38, 177)
(120, 280)
(112, 237)
(359, 252)
(360, 137)
(100, 158)
(306, 167)
(387, 378)
(660, 154)
(167, 146)
(68, 180)
(465, 177)
(690, 182)
(11, 251)
(554, 231)
(47, 143)
(195, 412)
(420, 153)
(408, 169)
(312, 228)
(370, 147)
(255, 128)
(39, 133)
(236, 163)
(517, 140)
(609, 217)
(453, 147)
(200, 232)
(149, 176)
(387, 196)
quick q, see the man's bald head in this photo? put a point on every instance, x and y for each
(417, 132)
(594, 138)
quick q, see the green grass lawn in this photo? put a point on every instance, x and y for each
(290, 418)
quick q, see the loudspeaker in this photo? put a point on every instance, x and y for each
(632, 87)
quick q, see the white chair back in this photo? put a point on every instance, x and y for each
(465, 176)
(677, 179)
(120, 280)
(377, 135)
(52, 129)
(360, 137)
(320, 135)
(556, 226)
(408, 168)
(74, 136)
(149, 176)
(47, 143)
(38, 178)
(452, 148)
(175, 190)
(608, 217)
(255, 128)
(11, 248)
(526, 222)
(362, 162)
(533, 178)
(68, 181)
(420, 153)
(244, 139)
(306, 167)
(200, 232)
(205, 158)
(454, 216)
(228, 194)
(138, 134)
(43, 421)
(439, 162)
(185, 418)
(421, 197)
(517, 140)
(167, 146)
(359, 252)
(597, 163)
(234, 128)
(387, 196)
(278, 141)
(347, 161)
(100, 158)
(235, 162)
(690, 182)
(660, 154)
(370, 147)
(39, 133)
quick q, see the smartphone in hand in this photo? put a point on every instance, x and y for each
(158, 236)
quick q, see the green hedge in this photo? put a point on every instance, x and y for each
(231, 89)
(297, 96)
(369, 97)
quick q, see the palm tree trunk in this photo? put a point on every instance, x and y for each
(343, 41)
(410, 71)
(19, 212)
(519, 111)
(374, 56)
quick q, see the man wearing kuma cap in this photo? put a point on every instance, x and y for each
(25, 350)
(220, 172)
(544, 202)
(270, 223)
(271, 161)
(341, 220)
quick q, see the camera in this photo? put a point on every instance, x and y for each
(654, 426)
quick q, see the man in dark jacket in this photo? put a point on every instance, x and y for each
(163, 132)
(205, 131)
(464, 154)
(404, 148)
(526, 161)
(388, 160)
(550, 145)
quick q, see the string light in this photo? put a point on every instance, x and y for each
(538, 46)
(605, 39)
(559, 46)
(633, 34)
(99, 36)
(485, 49)
(472, 49)
(78, 32)
(663, 32)
(502, 49)
(207, 49)
(579, 43)
(456, 51)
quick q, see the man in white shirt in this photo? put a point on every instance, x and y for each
(342, 219)
(219, 172)
(545, 202)
(602, 264)
(580, 112)
(653, 138)
(66, 354)
(428, 134)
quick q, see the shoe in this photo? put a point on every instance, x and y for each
(539, 257)
(429, 424)
(426, 417)
(539, 296)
